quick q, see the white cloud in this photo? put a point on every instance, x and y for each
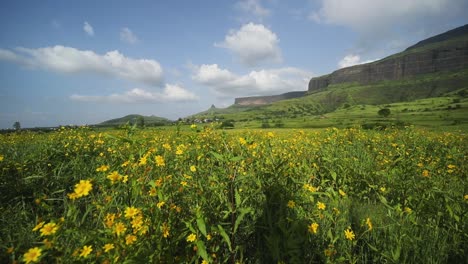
(253, 7)
(253, 43)
(370, 16)
(88, 29)
(127, 35)
(70, 60)
(170, 93)
(351, 60)
(262, 82)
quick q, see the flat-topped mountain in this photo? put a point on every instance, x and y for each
(444, 52)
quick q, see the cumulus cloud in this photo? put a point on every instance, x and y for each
(253, 7)
(127, 35)
(70, 60)
(253, 43)
(351, 60)
(364, 15)
(170, 93)
(267, 81)
(88, 29)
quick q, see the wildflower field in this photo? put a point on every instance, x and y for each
(211, 196)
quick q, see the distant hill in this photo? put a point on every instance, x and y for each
(133, 119)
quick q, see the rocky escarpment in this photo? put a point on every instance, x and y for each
(263, 100)
(445, 52)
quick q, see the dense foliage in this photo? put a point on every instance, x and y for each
(209, 196)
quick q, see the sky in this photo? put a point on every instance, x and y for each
(84, 62)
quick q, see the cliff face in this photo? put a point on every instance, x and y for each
(263, 100)
(452, 55)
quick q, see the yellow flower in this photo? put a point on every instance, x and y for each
(310, 188)
(165, 229)
(291, 204)
(466, 196)
(193, 126)
(32, 255)
(114, 176)
(191, 238)
(125, 164)
(321, 206)
(72, 196)
(119, 228)
(369, 223)
(108, 247)
(131, 212)
(143, 160)
(160, 204)
(103, 168)
(425, 173)
(110, 220)
(349, 234)
(204, 262)
(38, 226)
(83, 188)
(313, 228)
(383, 189)
(193, 168)
(130, 239)
(49, 229)
(160, 161)
(152, 191)
(208, 237)
(183, 183)
(1, 157)
(137, 222)
(342, 193)
(242, 141)
(86, 251)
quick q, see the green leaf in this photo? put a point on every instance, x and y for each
(225, 236)
(201, 225)
(243, 212)
(217, 155)
(201, 251)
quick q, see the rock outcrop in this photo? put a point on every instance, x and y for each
(263, 100)
(444, 52)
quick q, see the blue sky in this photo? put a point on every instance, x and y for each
(83, 62)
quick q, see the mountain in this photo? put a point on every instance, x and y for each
(134, 119)
(426, 84)
(444, 52)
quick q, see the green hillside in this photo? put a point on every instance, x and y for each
(134, 119)
(432, 100)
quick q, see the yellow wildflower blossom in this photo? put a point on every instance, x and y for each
(38, 226)
(119, 228)
(313, 228)
(160, 161)
(108, 247)
(83, 188)
(143, 160)
(130, 239)
(342, 193)
(32, 255)
(131, 212)
(193, 168)
(160, 204)
(349, 234)
(49, 229)
(165, 230)
(114, 176)
(103, 168)
(191, 238)
(369, 224)
(86, 251)
(321, 206)
(425, 173)
(1, 157)
(291, 204)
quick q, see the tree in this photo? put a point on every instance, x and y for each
(384, 112)
(17, 125)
